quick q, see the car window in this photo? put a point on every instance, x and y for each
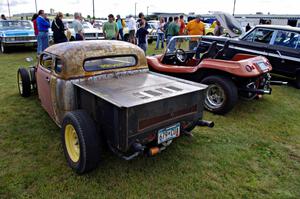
(58, 65)
(250, 36)
(263, 35)
(105, 63)
(287, 39)
(10, 25)
(46, 61)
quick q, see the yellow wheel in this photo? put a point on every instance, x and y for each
(23, 80)
(72, 143)
(80, 141)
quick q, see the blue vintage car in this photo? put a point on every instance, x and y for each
(16, 33)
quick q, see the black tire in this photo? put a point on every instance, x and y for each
(23, 80)
(297, 82)
(88, 139)
(227, 89)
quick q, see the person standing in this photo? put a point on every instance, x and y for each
(3, 17)
(166, 26)
(121, 24)
(131, 28)
(33, 19)
(181, 25)
(141, 34)
(248, 27)
(173, 30)
(78, 28)
(58, 29)
(195, 27)
(181, 30)
(160, 33)
(219, 30)
(110, 28)
(43, 25)
(142, 18)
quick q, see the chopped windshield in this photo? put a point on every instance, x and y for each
(12, 25)
(105, 63)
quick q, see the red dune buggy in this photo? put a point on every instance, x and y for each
(244, 75)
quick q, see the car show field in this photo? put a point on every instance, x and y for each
(252, 152)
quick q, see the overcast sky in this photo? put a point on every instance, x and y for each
(103, 8)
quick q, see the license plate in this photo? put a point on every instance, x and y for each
(168, 133)
(263, 66)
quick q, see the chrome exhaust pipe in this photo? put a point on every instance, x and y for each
(278, 83)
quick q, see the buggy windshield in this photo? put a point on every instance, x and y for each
(188, 43)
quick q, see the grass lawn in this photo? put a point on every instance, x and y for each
(252, 152)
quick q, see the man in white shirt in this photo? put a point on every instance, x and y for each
(78, 28)
(131, 28)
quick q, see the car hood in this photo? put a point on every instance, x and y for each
(16, 33)
(232, 26)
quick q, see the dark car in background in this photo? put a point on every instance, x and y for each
(280, 44)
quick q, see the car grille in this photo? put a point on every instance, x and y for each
(20, 38)
(90, 34)
(24, 38)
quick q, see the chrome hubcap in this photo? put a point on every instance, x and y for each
(215, 97)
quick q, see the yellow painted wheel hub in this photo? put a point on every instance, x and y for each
(20, 83)
(72, 143)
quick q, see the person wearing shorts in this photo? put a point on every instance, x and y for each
(131, 28)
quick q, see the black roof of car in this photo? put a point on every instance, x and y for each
(278, 27)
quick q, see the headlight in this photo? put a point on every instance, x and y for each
(10, 39)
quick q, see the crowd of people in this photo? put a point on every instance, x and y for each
(113, 29)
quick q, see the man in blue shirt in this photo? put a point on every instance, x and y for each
(43, 25)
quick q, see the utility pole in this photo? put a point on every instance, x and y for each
(233, 8)
(93, 9)
(36, 7)
(8, 8)
(147, 10)
(135, 10)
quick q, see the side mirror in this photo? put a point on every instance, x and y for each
(29, 59)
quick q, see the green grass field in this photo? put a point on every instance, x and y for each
(252, 152)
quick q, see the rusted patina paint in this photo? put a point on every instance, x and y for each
(73, 54)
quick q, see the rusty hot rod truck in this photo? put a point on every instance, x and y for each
(102, 92)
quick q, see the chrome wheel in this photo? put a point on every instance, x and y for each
(215, 96)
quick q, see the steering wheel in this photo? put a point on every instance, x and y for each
(180, 55)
